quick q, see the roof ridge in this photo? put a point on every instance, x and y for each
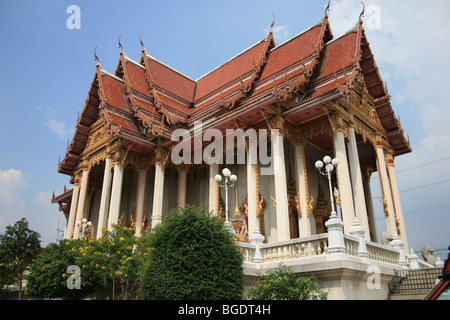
(169, 67)
(231, 59)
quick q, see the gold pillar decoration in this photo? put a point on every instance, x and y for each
(236, 222)
(182, 170)
(292, 207)
(298, 137)
(161, 156)
(260, 205)
(389, 159)
(76, 183)
(321, 212)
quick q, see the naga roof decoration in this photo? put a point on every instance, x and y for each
(143, 102)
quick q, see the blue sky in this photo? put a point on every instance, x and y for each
(47, 70)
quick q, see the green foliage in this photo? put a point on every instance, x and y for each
(19, 246)
(283, 284)
(47, 276)
(116, 258)
(192, 257)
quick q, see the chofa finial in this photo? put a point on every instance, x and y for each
(328, 7)
(140, 40)
(95, 55)
(273, 23)
(120, 45)
(362, 12)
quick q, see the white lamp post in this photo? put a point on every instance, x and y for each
(330, 165)
(336, 244)
(230, 179)
(84, 224)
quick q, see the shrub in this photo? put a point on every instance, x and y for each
(192, 257)
(283, 284)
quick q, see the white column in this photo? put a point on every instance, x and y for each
(213, 189)
(345, 187)
(142, 175)
(282, 213)
(386, 194)
(81, 202)
(158, 195)
(73, 210)
(371, 213)
(396, 200)
(106, 195)
(357, 182)
(116, 195)
(305, 218)
(252, 162)
(182, 184)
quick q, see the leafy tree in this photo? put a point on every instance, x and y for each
(116, 258)
(283, 284)
(47, 276)
(19, 246)
(192, 257)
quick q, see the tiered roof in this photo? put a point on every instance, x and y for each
(143, 102)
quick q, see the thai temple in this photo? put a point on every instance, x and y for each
(310, 97)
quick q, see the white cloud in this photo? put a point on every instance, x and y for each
(280, 33)
(12, 201)
(17, 201)
(59, 127)
(12, 181)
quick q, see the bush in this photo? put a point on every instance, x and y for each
(47, 276)
(115, 259)
(192, 257)
(283, 284)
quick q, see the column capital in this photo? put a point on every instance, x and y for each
(275, 122)
(389, 158)
(84, 164)
(161, 155)
(338, 124)
(77, 178)
(297, 136)
(182, 168)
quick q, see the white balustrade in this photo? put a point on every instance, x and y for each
(313, 246)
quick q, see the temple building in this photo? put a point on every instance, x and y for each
(314, 95)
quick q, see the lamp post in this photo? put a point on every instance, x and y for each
(84, 224)
(230, 179)
(330, 165)
(336, 244)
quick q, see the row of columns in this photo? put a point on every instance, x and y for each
(350, 182)
(351, 185)
(111, 195)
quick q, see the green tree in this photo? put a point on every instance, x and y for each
(116, 258)
(19, 246)
(283, 284)
(47, 276)
(192, 257)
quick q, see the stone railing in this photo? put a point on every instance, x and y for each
(331, 243)
(286, 250)
(378, 252)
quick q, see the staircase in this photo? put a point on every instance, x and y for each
(413, 284)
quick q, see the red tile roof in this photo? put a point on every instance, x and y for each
(159, 97)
